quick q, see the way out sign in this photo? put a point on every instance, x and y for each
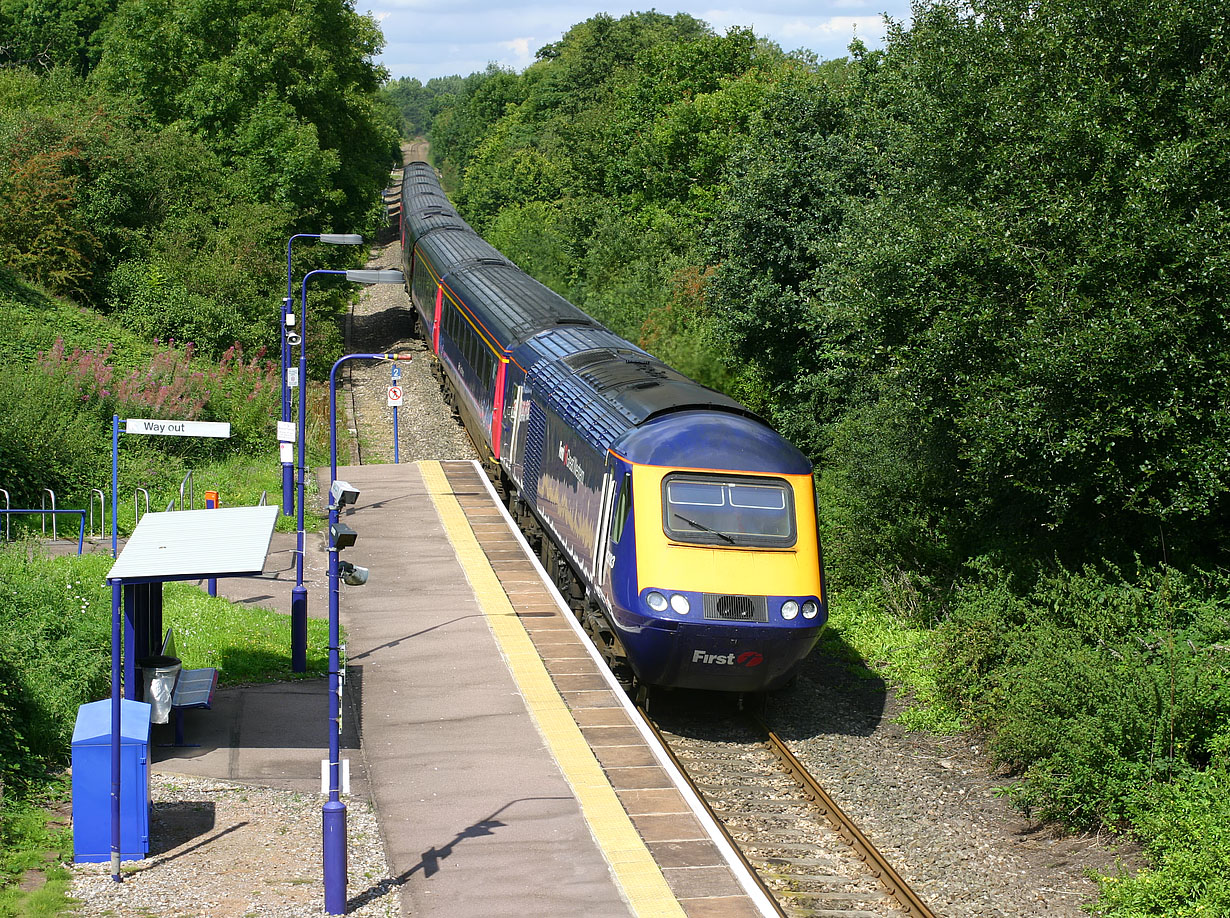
(394, 396)
(177, 428)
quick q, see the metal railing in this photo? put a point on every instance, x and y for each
(102, 512)
(191, 500)
(43, 511)
(47, 491)
(8, 535)
(136, 513)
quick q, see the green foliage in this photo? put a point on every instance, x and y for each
(1002, 225)
(164, 186)
(1097, 687)
(47, 33)
(56, 616)
(284, 92)
(48, 439)
(1186, 828)
(30, 828)
(416, 105)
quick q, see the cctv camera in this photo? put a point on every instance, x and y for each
(343, 536)
(352, 574)
(343, 493)
(293, 339)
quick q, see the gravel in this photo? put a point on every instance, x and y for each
(934, 805)
(226, 850)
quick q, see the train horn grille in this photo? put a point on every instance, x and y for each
(719, 607)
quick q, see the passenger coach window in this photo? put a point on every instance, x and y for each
(728, 510)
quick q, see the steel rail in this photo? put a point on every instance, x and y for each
(880, 868)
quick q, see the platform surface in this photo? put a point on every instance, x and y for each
(507, 776)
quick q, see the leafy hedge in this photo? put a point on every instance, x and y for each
(55, 656)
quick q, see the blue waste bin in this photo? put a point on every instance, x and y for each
(92, 781)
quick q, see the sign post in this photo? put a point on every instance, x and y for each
(395, 394)
(150, 427)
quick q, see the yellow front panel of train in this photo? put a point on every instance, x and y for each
(670, 565)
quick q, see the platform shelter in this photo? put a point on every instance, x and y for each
(183, 545)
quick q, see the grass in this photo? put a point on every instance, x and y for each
(248, 645)
(29, 830)
(901, 652)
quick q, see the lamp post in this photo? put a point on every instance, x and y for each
(333, 819)
(288, 319)
(298, 595)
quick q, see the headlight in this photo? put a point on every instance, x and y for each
(656, 601)
(680, 604)
(810, 609)
(790, 609)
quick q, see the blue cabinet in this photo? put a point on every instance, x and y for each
(92, 781)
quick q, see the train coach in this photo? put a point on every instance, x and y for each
(681, 526)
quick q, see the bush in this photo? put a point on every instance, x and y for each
(55, 615)
(49, 438)
(1098, 688)
(1185, 827)
(241, 391)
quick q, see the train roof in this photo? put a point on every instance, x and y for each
(512, 304)
(713, 440)
(601, 384)
(604, 386)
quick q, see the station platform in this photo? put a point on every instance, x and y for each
(509, 773)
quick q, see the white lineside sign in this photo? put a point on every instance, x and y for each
(178, 428)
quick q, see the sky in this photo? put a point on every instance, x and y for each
(433, 38)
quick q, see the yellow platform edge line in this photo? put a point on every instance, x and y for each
(635, 870)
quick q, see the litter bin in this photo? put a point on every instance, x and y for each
(159, 675)
(92, 781)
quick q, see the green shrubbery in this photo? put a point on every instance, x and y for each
(55, 616)
(1097, 688)
(55, 431)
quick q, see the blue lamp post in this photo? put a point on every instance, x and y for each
(340, 494)
(288, 319)
(298, 595)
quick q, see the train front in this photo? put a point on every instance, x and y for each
(727, 592)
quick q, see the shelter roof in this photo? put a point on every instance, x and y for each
(194, 544)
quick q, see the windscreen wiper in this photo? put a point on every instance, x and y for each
(704, 528)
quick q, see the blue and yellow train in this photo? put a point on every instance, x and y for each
(681, 526)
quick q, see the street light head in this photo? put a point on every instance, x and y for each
(343, 493)
(341, 238)
(352, 574)
(375, 277)
(293, 339)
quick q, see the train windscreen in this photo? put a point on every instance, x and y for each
(728, 510)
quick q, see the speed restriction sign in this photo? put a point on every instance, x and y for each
(394, 396)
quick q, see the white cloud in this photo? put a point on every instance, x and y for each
(424, 40)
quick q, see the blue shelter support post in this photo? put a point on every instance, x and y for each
(115, 731)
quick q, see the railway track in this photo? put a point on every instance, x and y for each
(811, 859)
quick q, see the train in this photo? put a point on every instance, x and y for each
(679, 525)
